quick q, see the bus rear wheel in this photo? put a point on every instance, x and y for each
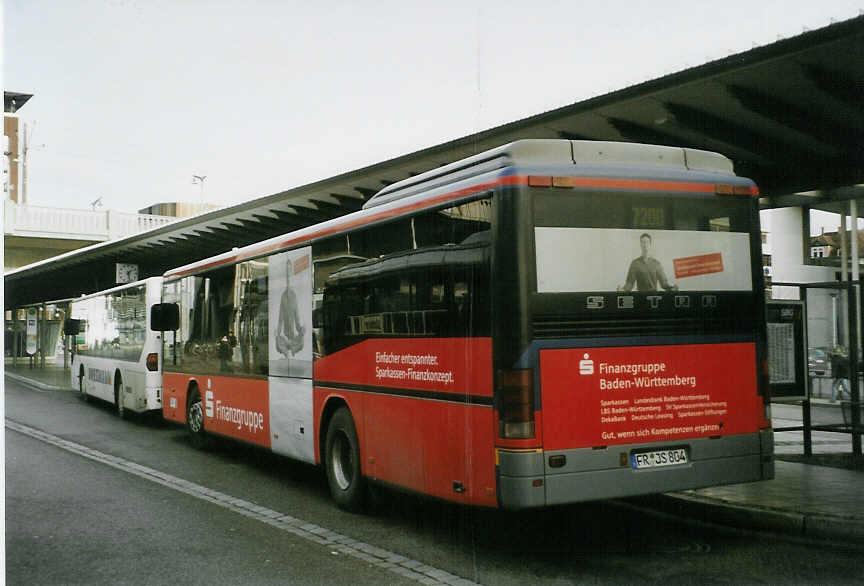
(342, 461)
(195, 420)
(118, 397)
(82, 386)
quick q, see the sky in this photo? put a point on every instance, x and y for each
(132, 98)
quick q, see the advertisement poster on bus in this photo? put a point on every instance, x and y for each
(636, 394)
(290, 313)
(573, 260)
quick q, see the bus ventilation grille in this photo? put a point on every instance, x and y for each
(556, 326)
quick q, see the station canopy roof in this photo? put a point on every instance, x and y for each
(788, 114)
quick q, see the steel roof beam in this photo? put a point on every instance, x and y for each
(314, 216)
(642, 133)
(291, 221)
(842, 88)
(734, 134)
(179, 246)
(236, 235)
(269, 223)
(331, 209)
(567, 135)
(804, 177)
(255, 227)
(366, 192)
(219, 232)
(816, 128)
(207, 237)
(351, 204)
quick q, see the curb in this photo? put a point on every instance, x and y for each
(790, 524)
(35, 383)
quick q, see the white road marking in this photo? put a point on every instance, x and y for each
(337, 542)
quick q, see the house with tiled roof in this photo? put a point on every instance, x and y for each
(829, 244)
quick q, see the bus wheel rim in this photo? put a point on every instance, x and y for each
(195, 417)
(342, 461)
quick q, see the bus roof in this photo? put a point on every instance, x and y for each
(559, 152)
(486, 171)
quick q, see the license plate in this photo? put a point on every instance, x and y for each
(658, 458)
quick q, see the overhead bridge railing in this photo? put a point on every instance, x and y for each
(47, 222)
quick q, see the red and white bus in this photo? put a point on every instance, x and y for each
(547, 322)
(116, 353)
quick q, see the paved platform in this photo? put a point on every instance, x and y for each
(802, 501)
(49, 378)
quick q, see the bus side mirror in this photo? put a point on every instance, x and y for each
(72, 327)
(165, 317)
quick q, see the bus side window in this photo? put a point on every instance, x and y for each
(425, 277)
(251, 318)
(209, 341)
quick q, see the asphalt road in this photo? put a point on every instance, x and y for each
(71, 518)
(74, 521)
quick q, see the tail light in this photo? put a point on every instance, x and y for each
(516, 404)
(725, 189)
(153, 362)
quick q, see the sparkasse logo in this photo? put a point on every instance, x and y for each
(586, 365)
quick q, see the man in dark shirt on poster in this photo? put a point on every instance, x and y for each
(645, 271)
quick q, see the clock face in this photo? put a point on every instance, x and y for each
(126, 273)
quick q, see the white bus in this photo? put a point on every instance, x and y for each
(116, 357)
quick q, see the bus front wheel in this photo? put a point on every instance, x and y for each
(195, 420)
(342, 461)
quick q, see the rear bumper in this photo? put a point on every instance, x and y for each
(152, 399)
(526, 480)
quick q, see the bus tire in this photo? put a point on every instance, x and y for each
(342, 462)
(122, 412)
(195, 420)
(82, 386)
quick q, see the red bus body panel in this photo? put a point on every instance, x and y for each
(174, 387)
(233, 406)
(430, 436)
(638, 394)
